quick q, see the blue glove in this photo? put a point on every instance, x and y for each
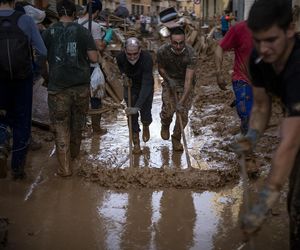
(108, 36)
(132, 110)
(252, 220)
(246, 144)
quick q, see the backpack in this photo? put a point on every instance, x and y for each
(15, 49)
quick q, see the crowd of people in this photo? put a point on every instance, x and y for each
(267, 57)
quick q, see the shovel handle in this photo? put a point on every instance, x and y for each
(129, 122)
(187, 156)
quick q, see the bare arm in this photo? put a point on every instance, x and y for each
(93, 55)
(284, 157)
(261, 110)
(162, 72)
(189, 75)
(219, 52)
(219, 58)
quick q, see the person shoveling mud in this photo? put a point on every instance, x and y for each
(274, 67)
(176, 64)
(137, 65)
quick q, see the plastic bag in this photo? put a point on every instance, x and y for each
(97, 83)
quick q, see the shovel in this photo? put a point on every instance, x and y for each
(128, 84)
(187, 156)
(246, 193)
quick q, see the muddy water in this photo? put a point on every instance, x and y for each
(159, 204)
(75, 214)
(106, 158)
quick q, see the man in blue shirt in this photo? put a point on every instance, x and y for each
(16, 98)
(224, 23)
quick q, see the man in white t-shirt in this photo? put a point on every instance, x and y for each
(97, 34)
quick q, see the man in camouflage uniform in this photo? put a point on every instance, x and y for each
(176, 64)
(71, 48)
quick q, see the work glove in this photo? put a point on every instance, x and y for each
(179, 108)
(108, 36)
(245, 144)
(220, 81)
(252, 220)
(132, 110)
(171, 83)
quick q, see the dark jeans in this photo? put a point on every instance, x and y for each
(224, 32)
(294, 205)
(15, 113)
(244, 101)
(146, 116)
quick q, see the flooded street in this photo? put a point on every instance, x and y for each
(159, 203)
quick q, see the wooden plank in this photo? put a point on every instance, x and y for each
(111, 93)
(112, 75)
(192, 38)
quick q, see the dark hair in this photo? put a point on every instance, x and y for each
(177, 31)
(66, 8)
(266, 13)
(96, 5)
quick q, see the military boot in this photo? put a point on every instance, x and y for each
(136, 144)
(96, 125)
(146, 133)
(165, 132)
(177, 146)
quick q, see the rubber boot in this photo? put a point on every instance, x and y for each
(146, 133)
(136, 144)
(165, 132)
(96, 125)
(177, 146)
(64, 168)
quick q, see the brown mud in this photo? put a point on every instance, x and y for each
(159, 203)
(213, 124)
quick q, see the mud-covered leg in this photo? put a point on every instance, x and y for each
(59, 109)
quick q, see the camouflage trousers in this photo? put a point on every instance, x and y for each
(169, 108)
(294, 205)
(68, 110)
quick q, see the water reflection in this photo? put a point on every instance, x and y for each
(137, 232)
(113, 211)
(178, 216)
(166, 219)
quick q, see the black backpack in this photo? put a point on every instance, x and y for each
(15, 49)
